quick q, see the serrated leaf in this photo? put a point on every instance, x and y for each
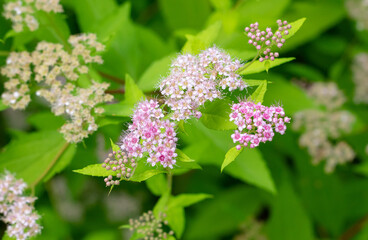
(187, 199)
(203, 40)
(114, 147)
(230, 156)
(95, 170)
(258, 95)
(215, 115)
(132, 92)
(258, 66)
(152, 76)
(295, 26)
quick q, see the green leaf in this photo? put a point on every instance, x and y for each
(121, 109)
(183, 157)
(132, 92)
(46, 121)
(91, 12)
(62, 163)
(157, 184)
(210, 147)
(2, 105)
(152, 76)
(185, 13)
(53, 27)
(142, 176)
(187, 199)
(252, 83)
(295, 26)
(288, 220)
(202, 40)
(215, 115)
(114, 147)
(258, 66)
(33, 155)
(176, 219)
(230, 156)
(95, 170)
(161, 205)
(258, 95)
(232, 206)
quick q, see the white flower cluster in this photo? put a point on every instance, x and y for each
(195, 79)
(360, 77)
(321, 127)
(358, 10)
(17, 210)
(21, 12)
(55, 70)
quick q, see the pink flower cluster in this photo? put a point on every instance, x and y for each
(150, 134)
(256, 123)
(264, 40)
(17, 210)
(195, 79)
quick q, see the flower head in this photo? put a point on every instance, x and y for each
(256, 123)
(17, 210)
(193, 80)
(151, 135)
(21, 12)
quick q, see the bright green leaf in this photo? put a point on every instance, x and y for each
(2, 105)
(157, 184)
(187, 199)
(215, 115)
(230, 156)
(202, 40)
(176, 219)
(295, 26)
(132, 92)
(258, 95)
(32, 166)
(122, 109)
(114, 147)
(95, 170)
(182, 156)
(258, 66)
(46, 121)
(62, 163)
(152, 76)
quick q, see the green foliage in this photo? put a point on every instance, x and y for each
(258, 95)
(258, 66)
(215, 115)
(52, 154)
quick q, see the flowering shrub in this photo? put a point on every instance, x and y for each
(173, 120)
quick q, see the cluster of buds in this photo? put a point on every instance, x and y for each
(17, 210)
(56, 70)
(21, 12)
(322, 128)
(256, 123)
(151, 135)
(195, 79)
(263, 41)
(119, 162)
(358, 10)
(150, 226)
(360, 77)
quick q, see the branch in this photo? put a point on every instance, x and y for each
(115, 91)
(353, 230)
(112, 78)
